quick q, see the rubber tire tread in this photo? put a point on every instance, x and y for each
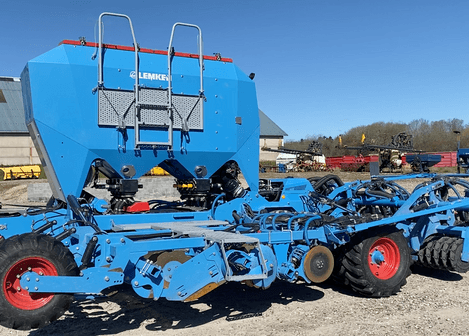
(357, 269)
(338, 273)
(445, 253)
(28, 245)
(438, 248)
(428, 251)
(454, 257)
(424, 254)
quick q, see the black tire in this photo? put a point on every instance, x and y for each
(44, 254)
(440, 251)
(454, 257)
(444, 255)
(338, 273)
(373, 278)
(425, 254)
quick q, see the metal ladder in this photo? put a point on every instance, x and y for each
(170, 107)
(169, 104)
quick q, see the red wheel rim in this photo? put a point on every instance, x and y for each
(384, 258)
(22, 298)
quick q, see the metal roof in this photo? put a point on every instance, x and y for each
(268, 127)
(11, 106)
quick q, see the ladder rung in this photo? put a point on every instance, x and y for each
(148, 104)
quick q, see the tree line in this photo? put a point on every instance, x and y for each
(427, 136)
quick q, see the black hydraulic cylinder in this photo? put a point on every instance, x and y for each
(75, 206)
(86, 259)
(236, 217)
(66, 234)
(44, 227)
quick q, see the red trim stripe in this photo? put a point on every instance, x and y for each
(144, 50)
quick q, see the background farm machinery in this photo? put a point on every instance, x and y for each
(462, 155)
(310, 159)
(365, 234)
(20, 172)
(390, 156)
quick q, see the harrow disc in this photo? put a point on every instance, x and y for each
(318, 264)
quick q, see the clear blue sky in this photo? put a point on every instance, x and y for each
(322, 66)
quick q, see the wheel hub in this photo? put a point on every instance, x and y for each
(19, 297)
(377, 257)
(384, 258)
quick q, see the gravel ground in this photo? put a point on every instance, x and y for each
(432, 303)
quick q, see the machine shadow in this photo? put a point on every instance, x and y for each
(125, 311)
(128, 312)
(436, 273)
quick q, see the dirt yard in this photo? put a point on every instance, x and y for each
(432, 303)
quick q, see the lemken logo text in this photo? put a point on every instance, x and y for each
(150, 76)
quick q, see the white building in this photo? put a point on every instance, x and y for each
(16, 147)
(271, 137)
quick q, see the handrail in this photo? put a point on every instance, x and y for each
(185, 127)
(201, 56)
(100, 50)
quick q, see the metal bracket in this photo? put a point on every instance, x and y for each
(91, 282)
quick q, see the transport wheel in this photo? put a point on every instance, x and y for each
(338, 273)
(378, 265)
(20, 309)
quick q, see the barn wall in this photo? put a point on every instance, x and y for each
(17, 150)
(270, 142)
